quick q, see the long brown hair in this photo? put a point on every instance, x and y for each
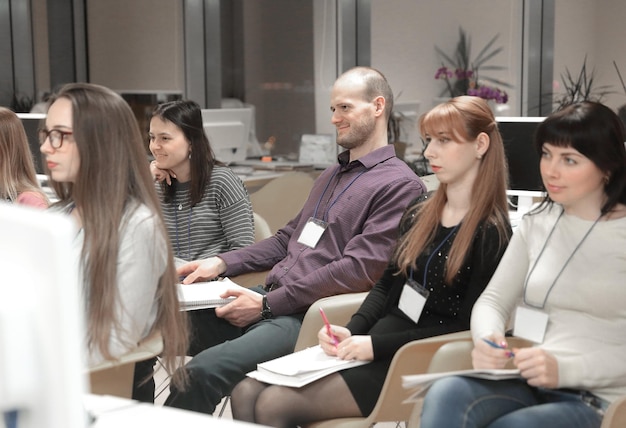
(113, 177)
(17, 169)
(464, 117)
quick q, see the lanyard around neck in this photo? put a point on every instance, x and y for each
(179, 207)
(545, 244)
(325, 216)
(432, 254)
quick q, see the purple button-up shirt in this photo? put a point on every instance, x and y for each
(362, 202)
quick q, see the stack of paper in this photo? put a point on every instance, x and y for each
(301, 368)
(202, 295)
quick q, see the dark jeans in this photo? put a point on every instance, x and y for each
(202, 336)
(466, 402)
(143, 382)
(214, 372)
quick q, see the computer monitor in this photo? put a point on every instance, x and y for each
(42, 374)
(228, 130)
(525, 184)
(32, 123)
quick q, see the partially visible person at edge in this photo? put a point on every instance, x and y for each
(18, 180)
(206, 207)
(564, 275)
(339, 243)
(450, 246)
(97, 166)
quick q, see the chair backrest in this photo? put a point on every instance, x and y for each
(420, 356)
(282, 198)
(338, 309)
(116, 377)
(261, 228)
(447, 352)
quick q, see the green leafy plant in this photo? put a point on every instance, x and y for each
(620, 76)
(580, 87)
(462, 75)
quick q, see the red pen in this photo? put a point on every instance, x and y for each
(333, 338)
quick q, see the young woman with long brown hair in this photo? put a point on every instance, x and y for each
(96, 162)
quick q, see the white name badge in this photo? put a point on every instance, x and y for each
(312, 232)
(530, 324)
(413, 299)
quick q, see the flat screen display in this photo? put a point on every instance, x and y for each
(523, 160)
(32, 123)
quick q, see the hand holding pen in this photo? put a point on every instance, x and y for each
(502, 345)
(333, 338)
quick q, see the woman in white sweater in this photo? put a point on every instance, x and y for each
(561, 282)
(95, 159)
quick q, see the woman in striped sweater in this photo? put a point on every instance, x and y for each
(205, 205)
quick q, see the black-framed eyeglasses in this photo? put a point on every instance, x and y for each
(55, 135)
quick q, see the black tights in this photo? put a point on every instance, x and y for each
(284, 407)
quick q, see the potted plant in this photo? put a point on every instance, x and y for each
(462, 75)
(580, 87)
(394, 132)
(21, 103)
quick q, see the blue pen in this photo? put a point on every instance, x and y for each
(495, 345)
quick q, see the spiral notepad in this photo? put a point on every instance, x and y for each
(202, 295)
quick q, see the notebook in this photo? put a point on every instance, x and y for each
(202, 295)
(420, 383)
(301, 368)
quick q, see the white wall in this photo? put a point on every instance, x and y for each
(611, 46)
(405, 32)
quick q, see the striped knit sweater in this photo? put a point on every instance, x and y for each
(220, 222)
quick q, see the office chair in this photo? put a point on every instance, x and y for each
(282, 198)
(115, 377)
(338, 310)
(431, 355)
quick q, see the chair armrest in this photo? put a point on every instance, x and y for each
(339, 309)
(150, 347)
(615, 416)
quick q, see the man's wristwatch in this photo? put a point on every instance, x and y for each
(266, 312)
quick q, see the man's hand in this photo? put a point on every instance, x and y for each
(244, 310)
(159, 174)
(201, 270)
